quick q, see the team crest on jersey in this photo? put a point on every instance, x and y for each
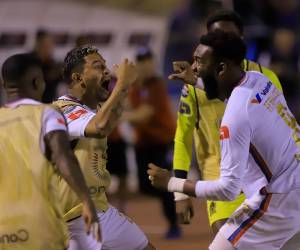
(185, 91)
(259, 96)
(184, 108)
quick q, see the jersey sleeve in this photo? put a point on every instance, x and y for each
(272, 77)
(184, 131)
(235, 134)
(52, 120)
(77, 118)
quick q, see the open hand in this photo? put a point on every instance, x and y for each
(126, 73)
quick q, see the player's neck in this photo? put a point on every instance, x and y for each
(234, 81)
(13, 95)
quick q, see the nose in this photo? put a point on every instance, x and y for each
(194, 67)
(107, 72)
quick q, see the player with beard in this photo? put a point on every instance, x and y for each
(199, 117)
(92, 113)
(260, 152)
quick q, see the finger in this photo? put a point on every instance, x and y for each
(153, 166)
(151, 172)
(95, 230)
(87, 225)
(176, 77)
(150, 177)
(180, 218)
(187, 217)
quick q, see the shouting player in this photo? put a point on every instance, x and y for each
(260, 151)
(92, 113)
(199, 118)
(32, 137)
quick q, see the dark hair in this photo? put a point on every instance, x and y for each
(225, 15)
(143, 53)
(225, 45)
(75, 58)
(16, 67)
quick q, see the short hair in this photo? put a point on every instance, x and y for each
(75, 58)
(225, 15)
(225, 45)
(16, 67)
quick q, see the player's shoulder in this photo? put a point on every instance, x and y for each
(67, 105)
(253, 88)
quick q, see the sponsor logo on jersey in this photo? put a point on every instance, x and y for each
(21, 235)
(259, 96)
(185, 91)
(76, 114)
(184, 108)
(224, 133)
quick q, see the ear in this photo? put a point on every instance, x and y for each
(35, 84)
(221, 68)
(77, 79)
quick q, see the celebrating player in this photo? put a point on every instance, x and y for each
(32, 137)
(88, 77)
(200, 117)
(260, 151)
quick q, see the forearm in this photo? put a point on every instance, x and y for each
(110, 112)
(211, 190)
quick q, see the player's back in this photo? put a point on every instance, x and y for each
(30, 217)
(275, 134)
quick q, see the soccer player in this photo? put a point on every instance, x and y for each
(32, 138)
(260, 151)
(199, 118)
(92, 113)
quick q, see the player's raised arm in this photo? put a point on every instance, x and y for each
(110, 112)
(59, 151)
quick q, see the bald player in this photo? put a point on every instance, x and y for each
(33, 147)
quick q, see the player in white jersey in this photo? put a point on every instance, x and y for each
(260, 152)
(92, 113)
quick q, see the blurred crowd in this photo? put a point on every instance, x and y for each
(271, 33)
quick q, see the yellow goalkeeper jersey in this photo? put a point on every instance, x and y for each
(30, 213)
(91, 154)
(199, 119)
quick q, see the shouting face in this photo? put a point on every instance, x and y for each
(96, 77)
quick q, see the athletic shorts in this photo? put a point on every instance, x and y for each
(118, 233)
(265, 222)
(219, 210)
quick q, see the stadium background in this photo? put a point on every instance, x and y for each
(171, 28)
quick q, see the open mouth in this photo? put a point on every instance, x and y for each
(105, 84)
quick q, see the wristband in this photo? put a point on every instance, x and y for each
(176, 184)
(180, 196)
